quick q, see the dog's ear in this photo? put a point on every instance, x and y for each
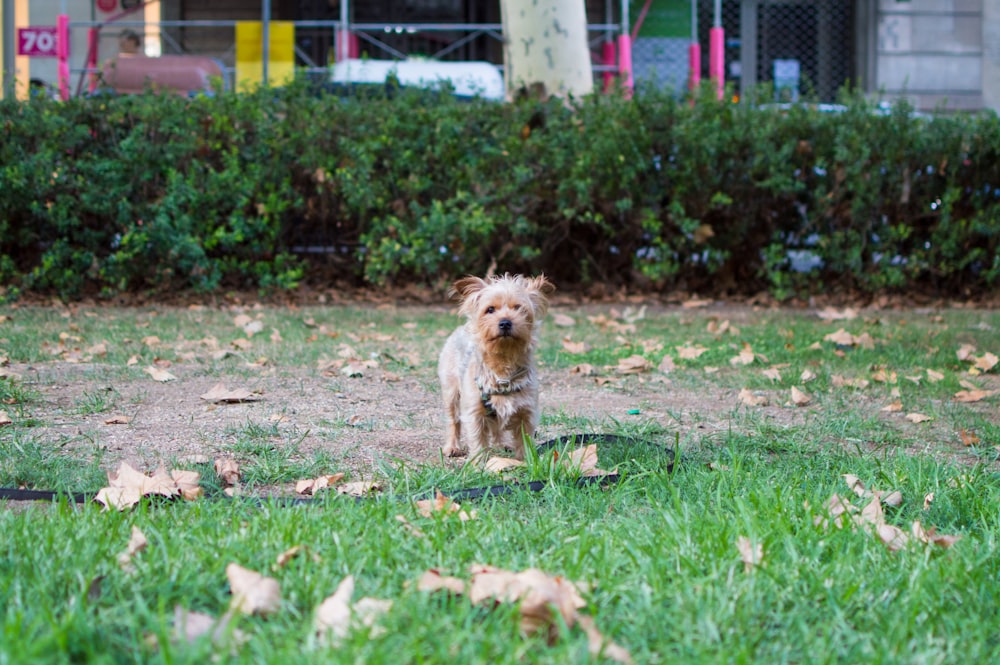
(540, 289)
(465, 287)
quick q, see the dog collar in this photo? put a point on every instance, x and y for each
(504, 387)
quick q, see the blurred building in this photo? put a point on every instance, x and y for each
(936, 52)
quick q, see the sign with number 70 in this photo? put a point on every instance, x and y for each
(38, 41)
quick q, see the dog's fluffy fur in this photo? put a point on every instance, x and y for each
(487, 371)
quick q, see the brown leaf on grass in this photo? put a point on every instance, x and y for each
(228, 471)
(717, 466)
(634, 364)
(151, 341)
(253, 593)
(188, 484)
(882, 375)
(832, 314)
(100, 350)
(696, 303)
(773, 374)
(501, 464)
(746, 356)
(931, 537)
(666, 365)
(689, 352)
(159, 374)
(219, 393)
(841, 338)
(583, 460)
(127, 486)
(750, 554)
(562, 320)
(934, 377)
(838, 381)
(894, 538)
(5, 419)
(359, 488)
(893, 407)
(928, 500)
(432, 581)
(835, 509)
(800, 397)
(583, 369)
(747, 397)
(918, 417)
(969, 438)
(973, 395)
(965, 352)
(190, 626)
(117, 420)
(599, 646)
(540, 597)
(855, 484)
(136, 543)
(337, 616)
(414, 531)
(444, 505)
(985, 362)
(313, 485)
(569, 346)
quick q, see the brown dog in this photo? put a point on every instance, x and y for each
(487, 370)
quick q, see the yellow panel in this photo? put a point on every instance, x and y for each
(249, 53)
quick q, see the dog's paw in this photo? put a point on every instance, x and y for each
(452, 451)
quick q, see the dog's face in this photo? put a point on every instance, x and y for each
(503, 310)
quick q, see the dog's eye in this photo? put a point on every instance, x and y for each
(491, 309)
(517, 308)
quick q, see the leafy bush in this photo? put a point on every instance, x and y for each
(264, 190)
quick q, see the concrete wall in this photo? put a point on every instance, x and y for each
(931, 51)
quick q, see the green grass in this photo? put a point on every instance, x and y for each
(657, 550)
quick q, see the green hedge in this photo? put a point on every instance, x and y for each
(156, 193)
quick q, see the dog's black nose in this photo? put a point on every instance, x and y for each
(506, 325)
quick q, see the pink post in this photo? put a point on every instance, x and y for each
(346, 45)
(62, 53)
(608, 56)
(92, 37)
(716, 58)
(625, 63)
(694, 67)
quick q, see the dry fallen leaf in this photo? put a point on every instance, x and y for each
(253, 593)
(773, 374)
(841, 338)
(359, 488)
(973, 395)
(840, 382)
(934, 377)
(745, 357)
(832, 314)
(117, 420)
(190, 626)
(442, 504)
(748, 398)
(313, 485)
(893, 407)
(930, 537)
(219, 393)
(563, 321)
(228, 471)
(750, 554)
(127, 486)
(501, 464)
(688, 352)
(432, 580)
(569, 346)
(336, 616)
(969, 439)
(985, 362)
(666, 365)
(5, 419)
(634, 364)
(159, 374)
(799, 397)
(918, 418)
(928, 500)
(583, 369)
(137, 543)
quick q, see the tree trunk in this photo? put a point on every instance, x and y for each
(545, 48)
